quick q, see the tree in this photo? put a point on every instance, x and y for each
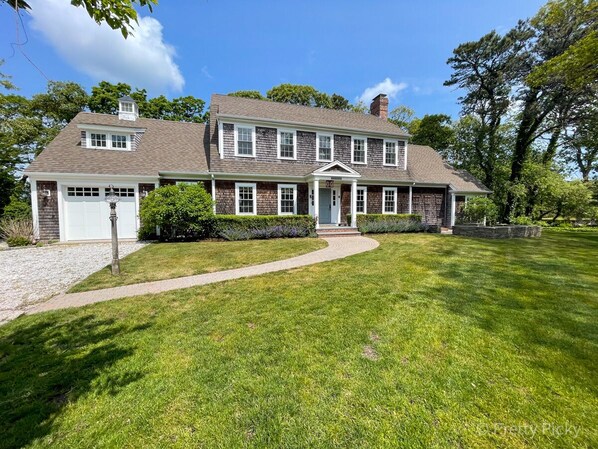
(181, 211)
(580, 143)
(255, 94)
(104, 99)
(401, 116)
(308, 96)
(118, 14)
(434, 130)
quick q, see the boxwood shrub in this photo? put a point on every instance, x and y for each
(384, 223)
(239, 227)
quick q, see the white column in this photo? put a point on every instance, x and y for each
(213, 195)
(34, 208)
(317, 202)
(410, 199)
(453, 211)
(354, 203)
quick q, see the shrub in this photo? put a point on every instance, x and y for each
(522, 220)
(181, 212)
(479, 208)
(384, 223)
(234, 227)
(17, 231)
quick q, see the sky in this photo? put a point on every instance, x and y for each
(198, 47)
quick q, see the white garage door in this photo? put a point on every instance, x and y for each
(87, 213)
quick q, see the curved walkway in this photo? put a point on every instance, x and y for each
(338, 248)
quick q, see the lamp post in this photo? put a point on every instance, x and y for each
(112, 198)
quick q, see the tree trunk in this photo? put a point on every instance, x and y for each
(552, 146)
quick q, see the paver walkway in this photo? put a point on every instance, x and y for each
(338, 248)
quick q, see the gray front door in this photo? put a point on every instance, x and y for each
(325, 206)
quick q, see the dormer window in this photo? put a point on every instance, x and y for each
(390, 153)
(98, 140)
(127, 109)
(244, 141)
(119, 141)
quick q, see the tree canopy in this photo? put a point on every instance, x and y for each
(118, 14)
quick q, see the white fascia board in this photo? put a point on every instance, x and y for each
(187, 175)
(257, 176)
(48, 176)
(301, 126)
(115, 128)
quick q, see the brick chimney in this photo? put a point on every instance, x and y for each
(379, 106)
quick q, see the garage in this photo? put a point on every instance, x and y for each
(87, 214)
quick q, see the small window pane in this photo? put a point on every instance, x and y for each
(98, 140)
(83, 191)
(325, 148)
(360, 201)
(245, 141)
(246, 200)
(287, 147)
(123, 192)
(287, 200)
(391, 153)
(389, 201)
(119, 141)
(127, 107)
(359, 150)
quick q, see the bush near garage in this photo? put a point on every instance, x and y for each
(181, 212)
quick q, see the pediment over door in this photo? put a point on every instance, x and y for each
(336, 168)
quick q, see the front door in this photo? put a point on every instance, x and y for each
(325, 211)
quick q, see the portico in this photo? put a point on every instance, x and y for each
(325, 193)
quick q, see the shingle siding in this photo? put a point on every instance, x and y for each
(47, 209)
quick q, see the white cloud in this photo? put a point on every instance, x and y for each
(206, 73)
(142, 60)
(384, 87)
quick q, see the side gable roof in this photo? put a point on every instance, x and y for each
(165, 146)
(291, 114)
(426, 165)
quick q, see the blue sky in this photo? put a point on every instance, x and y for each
(199, 47)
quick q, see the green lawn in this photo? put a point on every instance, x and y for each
(172, 260)
(427, 341)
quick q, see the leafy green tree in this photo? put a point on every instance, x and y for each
(436, 131)
(104, 99)
(401, 116)
(180, 211)
(255, 94)
(118, 14)
(308, 96)
(480, 209)
(580, 143)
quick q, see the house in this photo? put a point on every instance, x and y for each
(254, 157)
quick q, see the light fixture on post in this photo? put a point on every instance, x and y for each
(112, 198)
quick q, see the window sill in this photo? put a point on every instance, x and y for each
(245, 155)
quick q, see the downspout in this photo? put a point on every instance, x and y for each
(213, 194)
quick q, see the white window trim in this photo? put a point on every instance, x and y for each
(365, 145)
(236, 137)
(128, 103)
(365, 200)
(388, 189)
(245, 184)
(396, 144)
(405, 161)
(108, 146)
(318, 147)
(278, 142)
(289, 186)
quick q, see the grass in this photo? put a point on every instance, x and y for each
(159, 261)
(429, 341)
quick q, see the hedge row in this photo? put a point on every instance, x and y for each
(384, 223)
(239, 227)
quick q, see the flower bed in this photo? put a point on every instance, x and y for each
(234, 227)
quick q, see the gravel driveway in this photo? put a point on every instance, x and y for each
(30, 275)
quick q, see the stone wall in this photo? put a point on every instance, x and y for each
(497, 232)
(47, 209)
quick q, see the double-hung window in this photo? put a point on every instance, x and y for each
(390, 152)
(389, 200)
(245, 198)
(359, 150)
(287, 140)
(325, 150)
(119, 141)
(244, 141)
(361, 200)
(287, 199)
(98, 140)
